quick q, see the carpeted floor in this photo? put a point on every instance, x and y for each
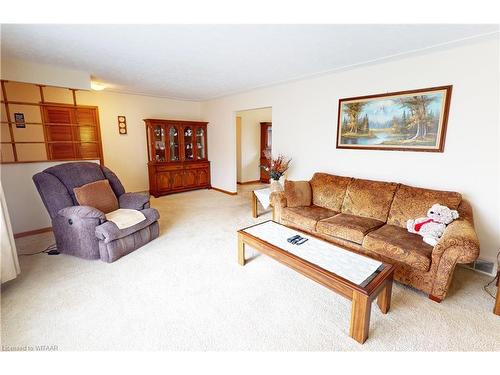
(185, 291)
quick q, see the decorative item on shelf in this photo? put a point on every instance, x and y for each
(276, 169)
(413, 120)
(122, 125)
(19, 119)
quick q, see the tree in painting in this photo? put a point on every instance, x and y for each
(353, 110)
(420, 119)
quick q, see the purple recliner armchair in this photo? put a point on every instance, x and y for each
(83, 230)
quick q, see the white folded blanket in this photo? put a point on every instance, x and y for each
(263, 195)
(125, 218)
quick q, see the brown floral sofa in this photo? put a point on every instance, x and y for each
(370, 217)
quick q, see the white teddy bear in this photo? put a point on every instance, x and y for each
(432, 227)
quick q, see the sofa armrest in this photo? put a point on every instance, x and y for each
(278, 202)
(82, 212)
(278, 199)
(460, 238)
(134, 201)
(459, 244)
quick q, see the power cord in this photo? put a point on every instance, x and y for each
(50, 250)
(492, 295)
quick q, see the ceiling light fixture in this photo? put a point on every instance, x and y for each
(97, 86)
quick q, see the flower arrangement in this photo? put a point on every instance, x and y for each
(276, 167)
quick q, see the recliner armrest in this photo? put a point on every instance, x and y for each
(108, 231)
(82, 212)
(134, 201)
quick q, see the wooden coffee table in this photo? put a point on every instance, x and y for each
(348, 273)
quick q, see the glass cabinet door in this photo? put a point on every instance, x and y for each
(269, 137)
(188, 143)
(159, 143)
(200, 144)
(173, 137)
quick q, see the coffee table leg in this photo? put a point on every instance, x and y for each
(496, 310)
(254, 205)
(384, 298)
(241, 250)
(360, 317)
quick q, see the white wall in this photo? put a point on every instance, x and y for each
(26, 209)
(305, 121)
(238, 148)
(248, 167)
(126, 154)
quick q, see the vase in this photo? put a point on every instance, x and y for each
(275, 186)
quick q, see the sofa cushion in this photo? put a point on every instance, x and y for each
(328, 191)
(125, 217)
(397, 243)
(369, 198)
(348, 227)
(97, 194)
(411, 202)
(306, 217)
(297, 193)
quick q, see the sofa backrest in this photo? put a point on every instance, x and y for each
(369, 198)
(328, 191)
(56, 184)
(411, 202)
(385, 201)
(54, 194)
(74, 175)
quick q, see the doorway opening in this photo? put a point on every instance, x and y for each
(253, 143)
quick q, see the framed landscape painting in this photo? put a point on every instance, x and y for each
(412, 120)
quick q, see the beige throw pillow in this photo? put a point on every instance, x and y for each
(98, 195)
(298, 193)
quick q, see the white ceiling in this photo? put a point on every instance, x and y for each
(200, 62)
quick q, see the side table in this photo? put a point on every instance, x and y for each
(262, 196)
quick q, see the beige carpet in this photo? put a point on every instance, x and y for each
(185, 291)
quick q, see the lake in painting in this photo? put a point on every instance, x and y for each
(412, 121)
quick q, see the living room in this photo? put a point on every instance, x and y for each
(128, 187)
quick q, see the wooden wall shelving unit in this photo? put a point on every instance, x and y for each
(69, 131)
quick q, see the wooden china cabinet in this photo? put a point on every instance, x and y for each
(177, 154)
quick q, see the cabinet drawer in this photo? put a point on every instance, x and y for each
(196, 165)
(172, 167)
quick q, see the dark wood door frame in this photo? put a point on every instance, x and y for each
(265, 144)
